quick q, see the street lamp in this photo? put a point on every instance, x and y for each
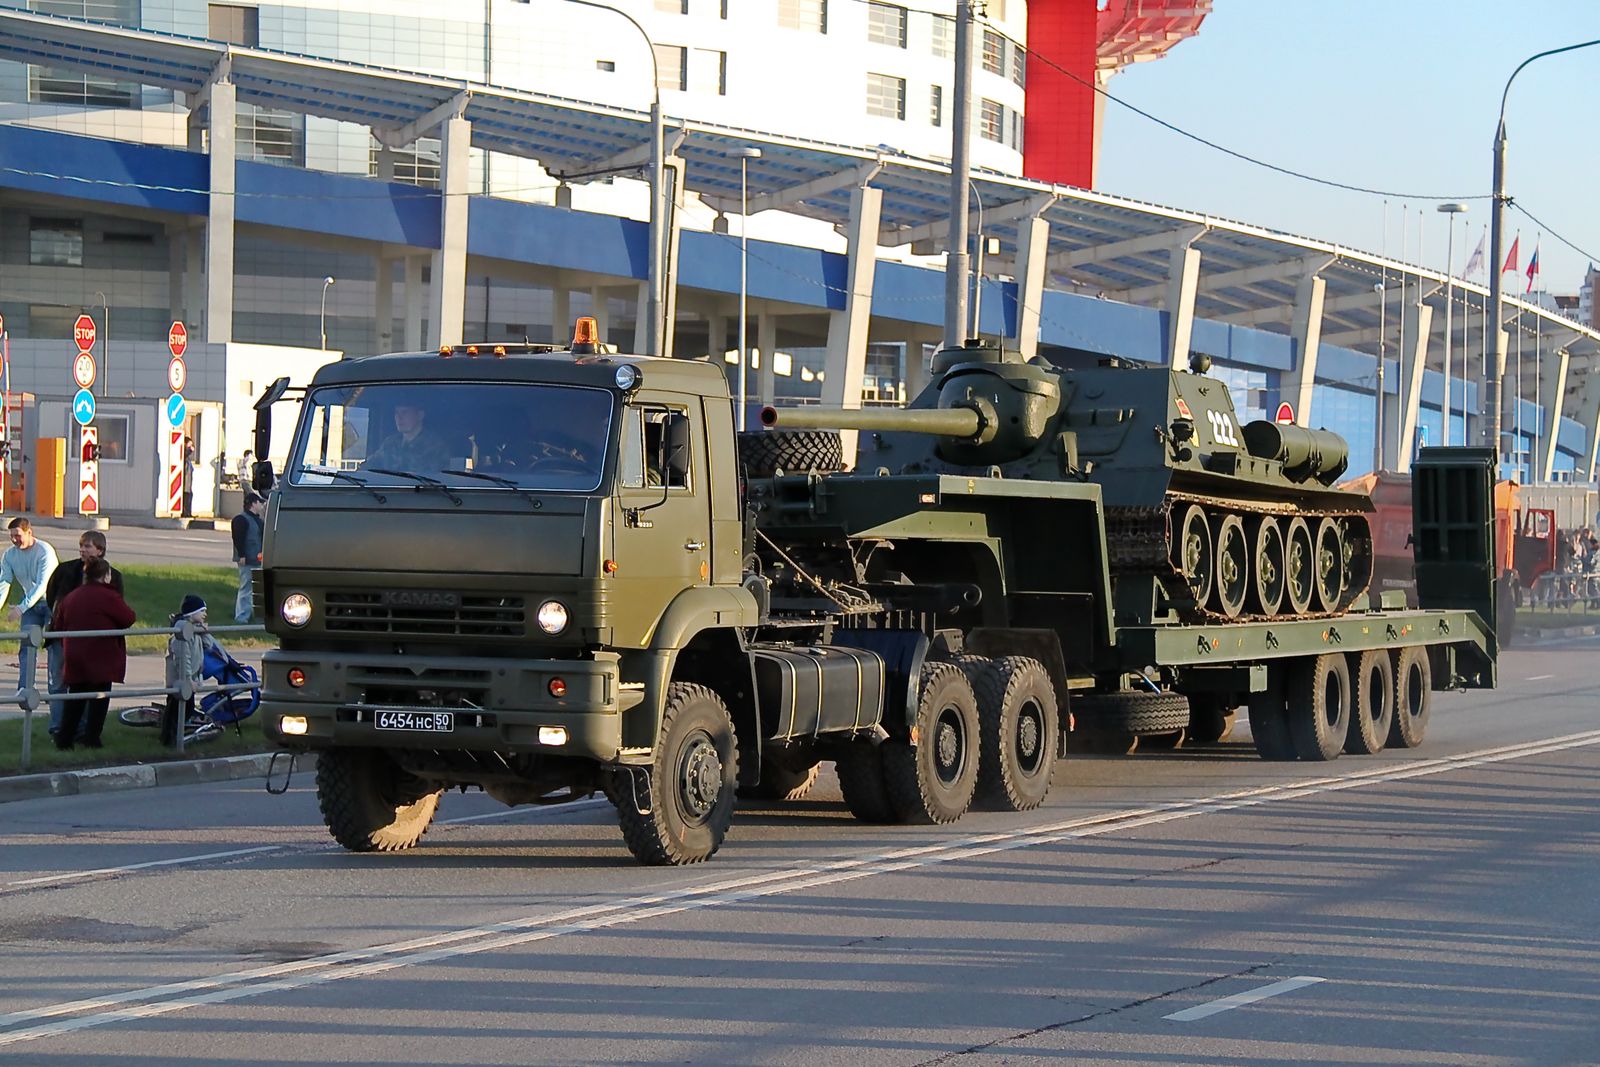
(745, 156)
(105, 347)
(1491, 385)
(1377, 438)
(1452, 210)
(323, 318)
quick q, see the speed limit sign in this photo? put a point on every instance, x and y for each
(177, 375)
(83, 369)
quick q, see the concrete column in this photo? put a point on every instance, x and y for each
(1183, 280)
(220, 214)
(447, 304)
(414, 298)
(846, 360)
(385, 163)
(1413, 343)
(383, 304)
(599, 308)
(767, 344)
(641, 320)
(1033, 249)
(560, 314)
(917, 366)
(718, 339)
(1553, 386)
(1588, 416)
(1307, 334)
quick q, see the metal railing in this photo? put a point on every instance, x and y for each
(28, 698)
(1572, 594)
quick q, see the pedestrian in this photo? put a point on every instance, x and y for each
(186, 660)
(29, 562)
(67, 577)
(188, 477)
(247, 534)
(91, 664)
(247, 467)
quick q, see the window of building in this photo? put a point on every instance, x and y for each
(886, 24)
(117, 12)
(1014, 138)
(55, 242)
(271, 136)
(991, 120)
(609, 66)
(234, 24)
(673, 7)
(112, 438)
(708, 72)
(416, 164)
(886, 96)
(809, 15)
(1019, 64)
(671, 66)
(936, 105)
(49, 86)
(52, 320)
(944, 36)
(994, 52)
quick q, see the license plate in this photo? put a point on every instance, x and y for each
(431, 722)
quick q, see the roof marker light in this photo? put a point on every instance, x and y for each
(586, 335)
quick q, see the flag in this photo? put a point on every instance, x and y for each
(1511, 258)
(1475, 263)
(1533, 267)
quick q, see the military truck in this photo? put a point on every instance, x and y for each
(545, 573)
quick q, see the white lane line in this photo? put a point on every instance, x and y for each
(175, 861)
(152, 1001)
(1239, 1000)
(1539, 678)
(553, 809)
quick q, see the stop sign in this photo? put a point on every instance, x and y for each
(1285, 413)
(177, 339)
(83, 333)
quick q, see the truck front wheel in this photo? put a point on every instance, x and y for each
(680, 809)
(933, 780)
(369, 803)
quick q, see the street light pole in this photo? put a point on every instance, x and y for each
(956, 260)
(1377, 437)
(105, 347)
(1451, 210)
(745, 156)
(322, 318)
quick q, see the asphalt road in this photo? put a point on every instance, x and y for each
(137, 544)
(1198, 907)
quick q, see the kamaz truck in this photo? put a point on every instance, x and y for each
(547, 573)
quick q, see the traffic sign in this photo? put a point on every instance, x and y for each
(174, 472)
(88, 471)
(83, 407)
(176, 409)
(2, 324)
(83, 333)
(177, 375)
(177, 339)
(83, 369)
(1285, 413)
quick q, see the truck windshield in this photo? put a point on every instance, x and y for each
(528, 436)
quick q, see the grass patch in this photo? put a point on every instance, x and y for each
(1554, 620)
(124, 745)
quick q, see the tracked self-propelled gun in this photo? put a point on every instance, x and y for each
(1206, 519)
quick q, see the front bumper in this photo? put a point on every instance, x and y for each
(493, 705)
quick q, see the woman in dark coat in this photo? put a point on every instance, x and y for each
(91, 664)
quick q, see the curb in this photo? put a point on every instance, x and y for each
(138, 776)
(1533, 637)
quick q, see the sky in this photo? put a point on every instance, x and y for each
(1397, 95)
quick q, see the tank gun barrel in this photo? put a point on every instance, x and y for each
(1304, 453)
(943, 422)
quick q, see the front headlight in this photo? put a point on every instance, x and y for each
(296, 610)
(552, 617)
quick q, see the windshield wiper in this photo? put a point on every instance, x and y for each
(422, 480)
(499, 480)
(346, 476)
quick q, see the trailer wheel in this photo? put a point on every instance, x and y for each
(1319, 706)
(933, 781)
(685, 807)
(861, 780)
(1372, 710)
(1019, 733)
(369, 803)
(1131, 712)
(779, 782)
(1413, 697)
(1269, 717)
(765, 452)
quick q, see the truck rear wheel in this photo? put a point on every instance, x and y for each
(681, 813)
(1019, 731)
(369, 803)
(1413, 697)
(1372, 712)
(933, 781)
(866, 794)
(1269, 717)
(765, 452)
(1319, 706)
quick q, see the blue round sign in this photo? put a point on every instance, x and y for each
(83, 407)
(176, 408)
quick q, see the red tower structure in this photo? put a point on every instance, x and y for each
(1076, 45)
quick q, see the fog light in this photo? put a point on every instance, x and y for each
(297, 677)
(292, 724)
(552, 735)
(296, 610)
(557, 687)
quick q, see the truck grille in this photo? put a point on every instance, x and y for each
(427, 688)
(477, 616)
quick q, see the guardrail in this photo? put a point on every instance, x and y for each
(1576, 595)
(29, 699)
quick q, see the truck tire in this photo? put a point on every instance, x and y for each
(1413, 697)
(688, 802)
(1372, 706)
(1269, 717)
(1319, 706)
(934, 780)
(866, 794)
(369, 803)
(1131, 712)
(765, 452)
(779, 782)
(1019, 731)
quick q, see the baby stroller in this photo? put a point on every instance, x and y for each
(212, 711)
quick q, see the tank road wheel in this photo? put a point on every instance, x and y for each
(685, 805)
(1269, 716)
(1319, 706)
(1413, 697)
(1268, 568)
(1357, 535)
(933, 781)
(1019, 732)
(1233, 567)
(369, 803)
(1372, 713)
(1300, 583)
(1193, 556)
(779, 782)
(866, 794)
(1330, 565)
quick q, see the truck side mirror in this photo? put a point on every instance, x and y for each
(262, 477)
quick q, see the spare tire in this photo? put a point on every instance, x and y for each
(765, 452)
(1130, 712)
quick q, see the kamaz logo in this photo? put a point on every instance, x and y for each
(420, 598)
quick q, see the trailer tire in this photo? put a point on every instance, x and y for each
(779, 782)
(1269, 718)
(1319, 706)
(1372, 706)
(765, 452)
(861, 780)
(689, 789)
(1131, 712)
(934, 780)
(369, 803)
(1413, 697)
(1019, 732)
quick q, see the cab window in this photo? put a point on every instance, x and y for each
(655, 449)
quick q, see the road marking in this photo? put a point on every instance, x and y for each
(1539, 678)
(575, 805)
(175, 861)
(1239, 1000)
(152, 1001)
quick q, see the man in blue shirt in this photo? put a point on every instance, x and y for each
(29, 562)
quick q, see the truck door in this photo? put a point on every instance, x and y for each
(662, 531)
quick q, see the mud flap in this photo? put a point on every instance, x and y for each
(1452, 498)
